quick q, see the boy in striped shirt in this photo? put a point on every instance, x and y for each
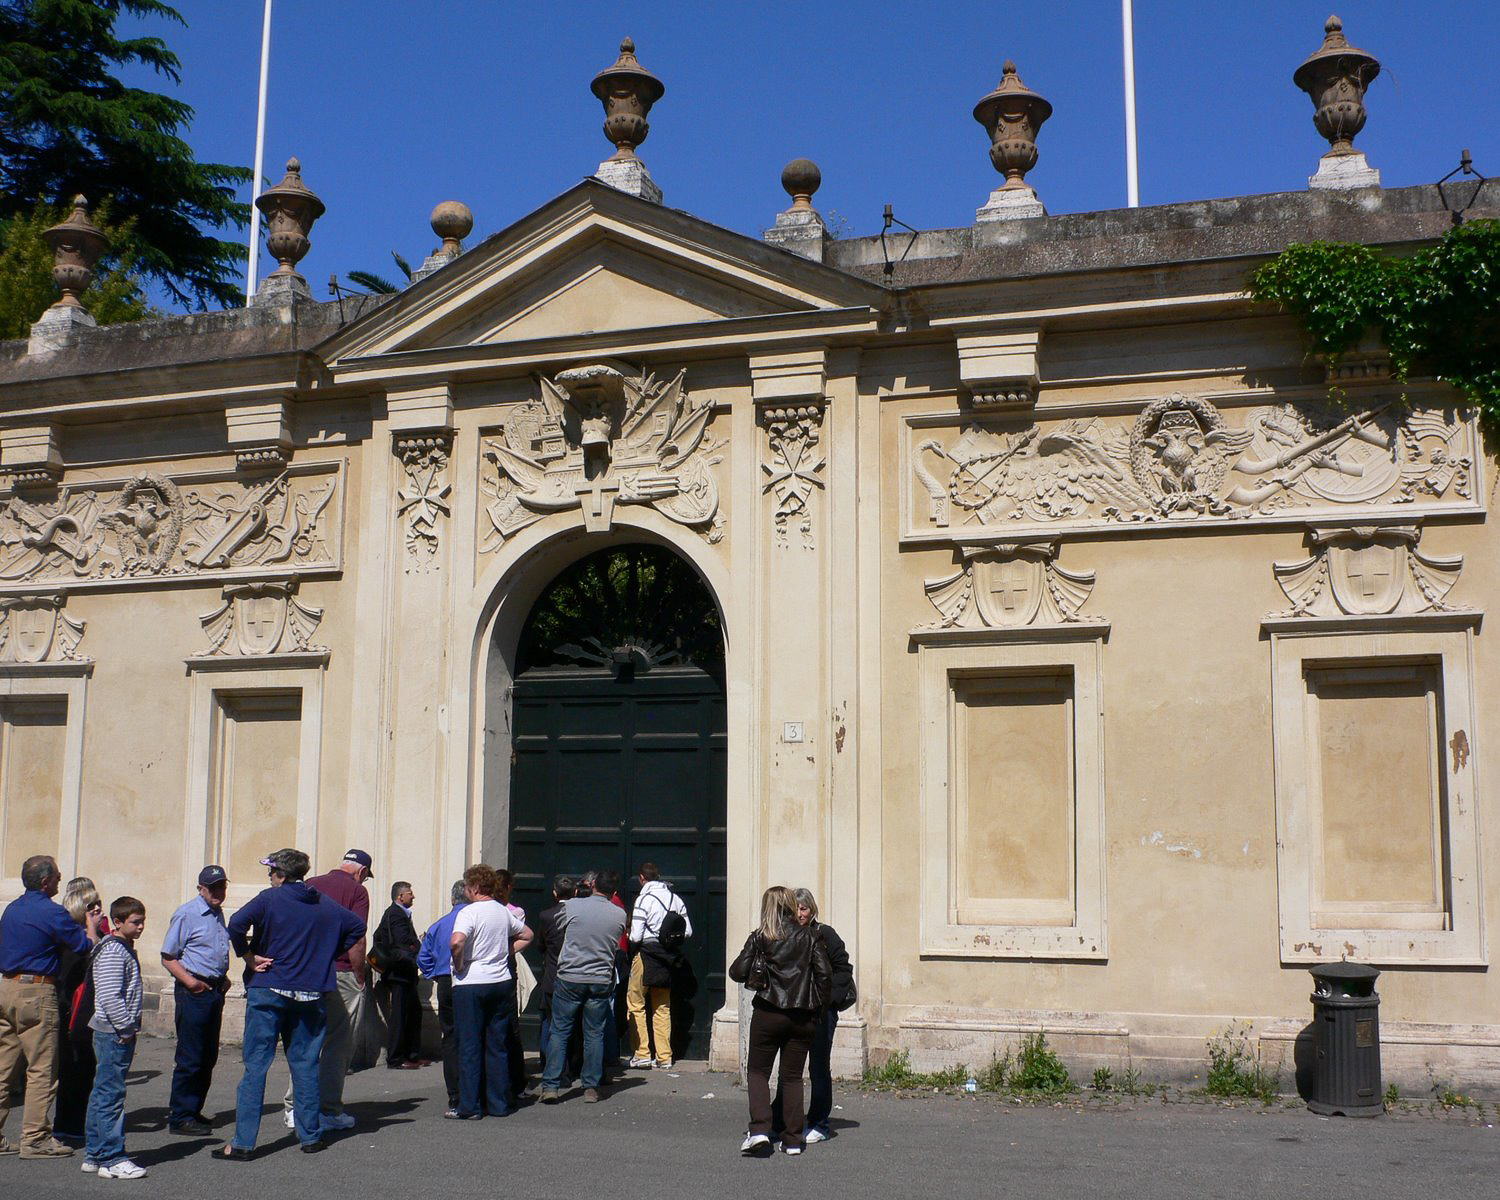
(116, 976)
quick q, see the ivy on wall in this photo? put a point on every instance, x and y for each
(1436, 311)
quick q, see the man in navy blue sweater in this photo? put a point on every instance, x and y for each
(289, 955)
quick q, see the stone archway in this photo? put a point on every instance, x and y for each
(618, 744)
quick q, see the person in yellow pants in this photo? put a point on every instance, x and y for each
(650, 990)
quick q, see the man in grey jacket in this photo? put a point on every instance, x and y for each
(591, 927)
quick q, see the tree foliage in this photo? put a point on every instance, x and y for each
(26, 287)
(1437, 311)
(69, 126)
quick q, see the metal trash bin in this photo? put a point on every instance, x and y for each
(1346, 1041)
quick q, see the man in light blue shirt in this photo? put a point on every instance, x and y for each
(435, 961)
(196, 952)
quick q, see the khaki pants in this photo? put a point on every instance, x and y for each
(658, 1000)
(28, 1029)
(345, 1008)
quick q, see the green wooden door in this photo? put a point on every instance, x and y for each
(619, 760)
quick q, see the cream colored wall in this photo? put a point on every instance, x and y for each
(1190, 816)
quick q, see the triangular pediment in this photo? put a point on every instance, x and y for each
(593, 261)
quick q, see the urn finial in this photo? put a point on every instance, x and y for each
(77, 244)
(1336, 76)
(1012, 114)
(452, 221)
(290, 208)
(627, 90)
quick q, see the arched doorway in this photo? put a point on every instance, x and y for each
(618, 742)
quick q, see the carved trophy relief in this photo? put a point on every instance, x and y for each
(1179, 460)
(1009, 586)
(1367, 571)
(795, 471)
(257, 619)
(34, 629)
(150, 526)
(597, 437)
(422, 503)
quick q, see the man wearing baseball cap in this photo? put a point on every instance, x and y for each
(196, 953)
(344, 885)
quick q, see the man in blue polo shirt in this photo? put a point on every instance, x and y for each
(196, 954)
(435, 961)
(33, 932)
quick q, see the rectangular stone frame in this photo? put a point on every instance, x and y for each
(944, 655)
(1445, 640)
(66, 681)
(213, 677)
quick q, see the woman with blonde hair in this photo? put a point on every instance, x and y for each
(75, 1050)
(786, 965)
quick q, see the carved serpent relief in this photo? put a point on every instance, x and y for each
(151, 525)
(1181, 461)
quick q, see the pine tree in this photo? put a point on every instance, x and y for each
(68, 126)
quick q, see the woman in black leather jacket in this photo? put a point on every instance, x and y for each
(787, 966)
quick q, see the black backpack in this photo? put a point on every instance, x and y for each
(673, 930)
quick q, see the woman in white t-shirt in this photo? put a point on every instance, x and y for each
(485, 935)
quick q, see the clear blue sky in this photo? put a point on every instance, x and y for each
(394, 105)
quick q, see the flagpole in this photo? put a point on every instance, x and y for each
(260, 154)
(1132, 167)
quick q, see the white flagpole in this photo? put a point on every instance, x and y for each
(1132, 168)
(260, 154)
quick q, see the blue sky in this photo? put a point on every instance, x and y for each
(394, 105)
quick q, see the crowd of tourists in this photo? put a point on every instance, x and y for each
(72, 989)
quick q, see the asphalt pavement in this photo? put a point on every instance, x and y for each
(677, 1134)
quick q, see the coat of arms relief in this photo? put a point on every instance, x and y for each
(152, 525)
(595, 437)
(1181, 460)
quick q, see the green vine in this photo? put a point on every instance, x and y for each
(1436, 311)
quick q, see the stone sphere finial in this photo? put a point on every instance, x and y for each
(627, 90)
(290, 208)
(801, 178)
(1336, 76)
(452, 221)
(1011, 115)
(77, 244)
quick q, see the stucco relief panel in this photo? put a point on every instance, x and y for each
(1181, 460)
(594, 437)
(152, 525)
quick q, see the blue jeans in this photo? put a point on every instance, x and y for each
(299, 1025)
(104, 1127)
(198, 1020)
(596, 1002)
(484, 1014)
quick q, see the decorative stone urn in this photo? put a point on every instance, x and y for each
(1012, 114)
(290, 208)
(627, 91)
(77, 244)
(1336, 77)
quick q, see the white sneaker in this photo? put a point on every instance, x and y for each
(288, 1119)
(755, 1144)
(814, 1135)
(341, 1121)
(666, 1066)
(791, 1149)
(641, 1064)
(124, 1169)
(89, 1166)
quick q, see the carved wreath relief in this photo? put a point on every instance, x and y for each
(152, 525)
(1180, 460)
(34, 629)
(1365, 571)
(1008, 586)
(595, 438)
(796, 468)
